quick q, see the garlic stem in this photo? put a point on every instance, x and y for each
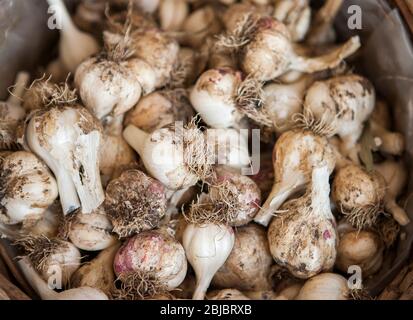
(202, 285)
(17, 93)
(135, 137)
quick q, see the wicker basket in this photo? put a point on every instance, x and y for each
(396, 284)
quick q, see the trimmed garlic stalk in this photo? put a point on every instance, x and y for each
(362, 248)
(51, 257)
(207, 247)
(294, 156)
(296, 15)
(67, 137)
(391, 142)
(395, 175)
(91, 232)
(98, 273)
(249, 264)
(108, 84)
(310, 217)
(199, 25)
(12, 113)
(159, 109)
(74, 46)
(150, 263)
(359, 195)
(44, 291)
(27, 189)
(135, 203)
(222, 97)
(340, 105)
(172, 14)
(283, 101)
(268, 51)
(325, 286)
(176, 156)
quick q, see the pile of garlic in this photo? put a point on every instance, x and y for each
(138, 144)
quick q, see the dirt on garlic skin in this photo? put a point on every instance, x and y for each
(134, 203)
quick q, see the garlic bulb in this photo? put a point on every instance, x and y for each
(296, 15)
(248, 266)
(51, 257)
(172, 14)
(48, 225)
(74, 46)
(294, 156)
(283, 101)
(325, 286)
(67, 137)
(174, 155)
(232, 197)
(395, 175)
(134, 203)
(38, 95)
(340, 106)
(27, 188)
(310, 217)
(362, 248)
(207, 248)
(200, 24)
(107, 84)
(359, 195)
(43, 290)
(12, 113)
(160, 108)
(212, 96)
(268, 52)
(158, 50)
(91, 232)
(98, 273)
(149, 263)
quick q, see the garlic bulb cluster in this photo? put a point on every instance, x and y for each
(295, 155)
(310, 217)
(27, 188)
(12, 113)
(67, 138)
(134, 203)
(359, 194)
(207, 247)
(149, 263)
(248, 266)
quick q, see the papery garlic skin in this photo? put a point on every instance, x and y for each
(325, 286)
(248, 266)
(344, 103)
(310, 217)
(362, 248)
(155, 252)
(27, 188)
(212, 97)
(207, 248)
(91, 232)
(163, 156)
(107, 87)
(295, 154)
(68, 139)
